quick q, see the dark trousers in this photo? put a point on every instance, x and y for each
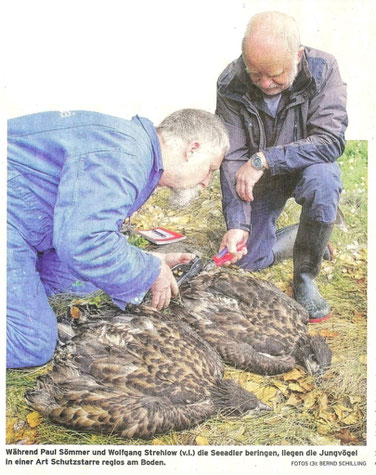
(316, 188)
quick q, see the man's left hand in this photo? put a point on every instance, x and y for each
(246, 178)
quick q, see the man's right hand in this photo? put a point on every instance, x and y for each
(231, 240)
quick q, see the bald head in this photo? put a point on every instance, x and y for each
(271, 51)
(273, 29)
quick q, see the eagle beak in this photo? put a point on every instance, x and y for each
(263, 407)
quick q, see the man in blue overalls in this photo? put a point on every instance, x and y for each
(73, 178)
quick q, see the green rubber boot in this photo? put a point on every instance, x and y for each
(284, 245)
(309, 248)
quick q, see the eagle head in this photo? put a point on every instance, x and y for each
(314, 354)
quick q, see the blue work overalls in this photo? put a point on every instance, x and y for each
(73, 178)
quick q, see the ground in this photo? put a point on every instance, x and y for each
(304, 413)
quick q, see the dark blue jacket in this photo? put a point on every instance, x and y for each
(82, 174)
(309, 127)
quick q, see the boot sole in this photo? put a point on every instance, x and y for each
(319, 320)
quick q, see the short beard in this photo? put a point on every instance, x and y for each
(183, 197)
(292, 77)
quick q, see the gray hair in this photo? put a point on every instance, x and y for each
(279, 28)
(189, 125)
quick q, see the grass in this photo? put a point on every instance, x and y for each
(303, 413)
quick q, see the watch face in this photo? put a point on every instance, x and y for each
(257, 162)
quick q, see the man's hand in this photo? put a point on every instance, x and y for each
(231, 240)
(174, 258)
(165, 285)
(246, 178)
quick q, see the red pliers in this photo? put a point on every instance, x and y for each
(222, 257)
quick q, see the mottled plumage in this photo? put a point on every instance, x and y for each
(252, 324)
(136, 375)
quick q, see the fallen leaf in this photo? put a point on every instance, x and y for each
(306, 385)
(352, 418)
(293, 400)
(267, 393)
(341, 411)
(200, 440)
(323, 402)
(346, 437)
(296, 387)
(328, 334)
(310, 400)
(75, 312)
(327, 415)
(34, 419)
(251, 386)
(293, 375)
(355, 399)
(19, 433)
(157, 442)
(323, 429)
(256, 378)
(281, 386)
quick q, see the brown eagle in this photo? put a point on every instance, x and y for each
(136, 375)
(251, 323)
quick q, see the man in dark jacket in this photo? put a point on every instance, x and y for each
(284, 106)
(73, 177)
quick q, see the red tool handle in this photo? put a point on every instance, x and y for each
(224, 256)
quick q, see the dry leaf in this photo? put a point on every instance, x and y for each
(293, 375)
(281, 386)
(157, 442)
(346, 437)
(256, 378)
(296, 387)
(293, 400)
(354, 399)
(327, 415)
(323, 402)
(16, 432)
(328, 334)
(310, 400)
(359, 317)
(200, 440)
(75, 312)
(34, 419)
(324, 428)
(352, 418)
(251, 386)
(267, 393)
(308, 386)
(341, 411)
(10, 432)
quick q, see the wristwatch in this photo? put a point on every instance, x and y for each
(257, 162)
